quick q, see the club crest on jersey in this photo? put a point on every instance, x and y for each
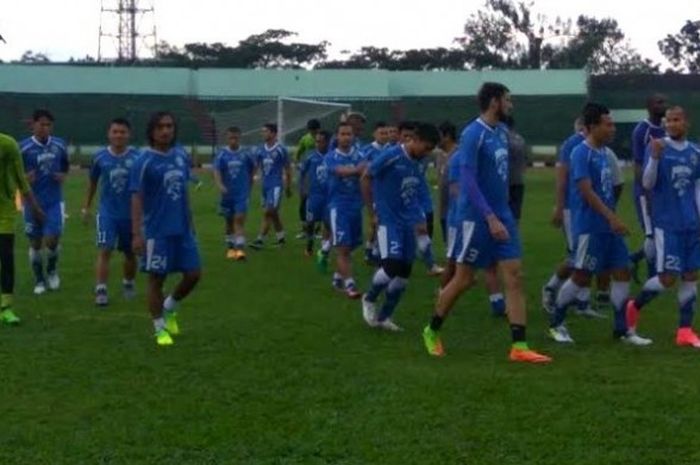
(173, 183)
(118, 179)
(501, 160)
(680, 178)
(129, 163)
(409, 188)
(179, 162)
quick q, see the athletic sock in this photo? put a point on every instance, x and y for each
(517, 334)
(158, 324)
(326, 246)
(170, 304)
(37, 261)
(583, 299)
(619, 293)
(230, 242)
(394, 291)
(498, 304)
(239, 242)
(348, 283)
(652, 288)
(687, 294)
(426, 250)
(380, 281)
(51, 260)
(436, 322)
(554, 282)
(567, 294)
(279, 235)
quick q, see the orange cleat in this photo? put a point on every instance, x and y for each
(527, 356)
(232, 254)
(686, 337)
(241, 256)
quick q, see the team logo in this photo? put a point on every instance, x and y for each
(680, 178)
(173, 181)
(129, 163)
(118, 179)
(501, 160)
(409, 188)
(234, 168)
(45, 162)
(180, 162)
(321, 173)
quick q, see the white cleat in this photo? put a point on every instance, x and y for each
(632, 338)
(39, 289)
(54, 282)
(590, 312)
(388, 325)
(369, 312)
(560, 334)
(435, 270)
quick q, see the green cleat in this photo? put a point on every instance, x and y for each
(433, 343)
(8, 317)
(171, 323)
(322, 261)
(163, 338)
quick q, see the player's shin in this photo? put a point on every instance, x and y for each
(687, 295)
(619, 293)
(394, 291)
(37, 262)
(380, 281)
(568, 293)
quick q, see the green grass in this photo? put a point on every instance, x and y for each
(275, 368)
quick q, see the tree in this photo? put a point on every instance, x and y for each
(683, 49)
(30, 57)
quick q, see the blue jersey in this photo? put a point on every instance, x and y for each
(592, 164)
(161, 179)
(397, 188)
(425, 199)
(272, 162)
(564, 159)
(370, 151)
(343, 190)
(236, 171)
(315, 168)
(673, 205)
(45, 161)
(484, 151)
(644, 132)
(453, 189)
(112, 172)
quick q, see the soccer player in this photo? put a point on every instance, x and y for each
(110, 169)
(233, 175)
(162, 227)
(357, 121)
(345, 165)
(306, 145)
(517, 164)
(12, 177)
(46, 165)
(394, 136)
(672, 176)
(488, 232)
(273, 161)
(370, 152)
(598, 231)
(448, 136)
(394, 203)
(647, 129)
(314, 174)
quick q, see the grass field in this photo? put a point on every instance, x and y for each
(274, 368)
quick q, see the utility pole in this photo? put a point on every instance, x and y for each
(127, 27)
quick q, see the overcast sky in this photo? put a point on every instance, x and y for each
(65, 28)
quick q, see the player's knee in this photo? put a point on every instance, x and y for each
(581, 278)
(667, 280)
(392, 267)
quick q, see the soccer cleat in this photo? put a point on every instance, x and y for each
(171, 325)
(241, 256)
(337, 284)
(301, 236)
(163, 338)
(369, 312)
(631, 315)
(632, 338)
(590, 312)
(257, 244)
(435, 270)
(527, 356)
(389, 325)
(8, 317)
(40, 288)
(322, 261)
(352, 292)
(54, 282)
(280, 242)
(560, 334)
(433, 343)
(686, 337)
(549, 297)
(232, 254)
(101, 299)
(129, 291)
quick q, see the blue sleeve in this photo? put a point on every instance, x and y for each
(95, 169)
(220, 164)
(64, 164)
(136, 175)
(285, 155)
(380, 163)
(468, 153)
(29, 162)
(579, 167)
(638, 145)
(565, 153)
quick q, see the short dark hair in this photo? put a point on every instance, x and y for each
(233, 130)
(427, 133)
(313, 124)
(341, 125)
(120, 122)
(42, 113)
(447, 129)
(272, 127)
(379, 125)
(593, 113)
(325, 134)
(407, 126)
(488, 92)
(153, 122)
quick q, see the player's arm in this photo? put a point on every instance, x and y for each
(562, 182)
(651, 168)
(373, 170)
(20, 180)
(287, 175)
(136, 189)
(303, 172)
(63, 166)
(638, 150)
(217, 175)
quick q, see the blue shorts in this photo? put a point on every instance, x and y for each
(600, 252)
(477, 248)
(228, 208)
(346, 226)
(641, 206)
(113, 234)
(52, 225)
(316, 209)
(171, 254)
(677, 251)
(271, 197)
(396, 242)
